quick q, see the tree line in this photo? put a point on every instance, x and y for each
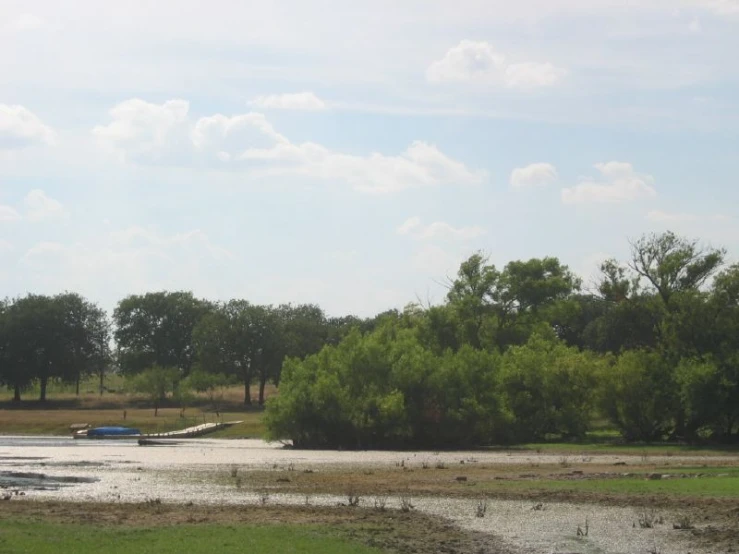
(518, 353)
(67, 338)
(525, 353)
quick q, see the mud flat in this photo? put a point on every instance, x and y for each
(452, 486)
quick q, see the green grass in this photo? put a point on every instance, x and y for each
(627, 449)
(22, 537)
(714, 487)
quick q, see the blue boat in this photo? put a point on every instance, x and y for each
(103, 432)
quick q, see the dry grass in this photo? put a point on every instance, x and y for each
(58, 421)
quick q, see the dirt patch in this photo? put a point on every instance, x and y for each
(389, 530)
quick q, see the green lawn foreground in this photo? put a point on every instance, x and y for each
(24, 537)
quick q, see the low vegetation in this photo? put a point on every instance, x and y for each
(49, 527)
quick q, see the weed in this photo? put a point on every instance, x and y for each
(482, 507)
(647, 519)
(405, 504)
(263, 497)
(564, 461)
(440, 465)
(583, 532)
(352, 498)
(380, 503)
(684, 521)
(234, 472)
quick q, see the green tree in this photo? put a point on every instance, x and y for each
(548, 388)
(671, 264)
(155, 383)
(639, 395)
(243, 340)
(214, 385)
(156, 329)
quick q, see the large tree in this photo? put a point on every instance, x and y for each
(243, 340)
(671, 264)
(156, 329)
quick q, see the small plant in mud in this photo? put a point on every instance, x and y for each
(307, 499)
(647, 519)
(583, 532)
(564, 461)
(482, 507)
(440, 465)
(405, 504)
(234, 472)
(353, 499)
(153, 501)
(425, 465)
(291, 467)
(263, 497)
(380, 503)
(684, 521)
(538, 507)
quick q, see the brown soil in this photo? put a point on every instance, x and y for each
(470, 480)
(391, 530)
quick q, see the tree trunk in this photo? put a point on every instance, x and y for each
(247, 393)
(44, 382)
(16, 393)
(77, 385)
(262, 383)
(102, 384)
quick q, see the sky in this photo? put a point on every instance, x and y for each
(352, 154)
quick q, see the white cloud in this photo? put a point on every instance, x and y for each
(147, 133)
(291, 101)
(19, 127)
(420, 165)
(9, 214)
(40, 207)
(667, 217)
(477, 62)
(533, 175)
(620, 184)
(438, 230)
(229, 137)
(409, 225)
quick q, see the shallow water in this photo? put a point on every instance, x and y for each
(93, 470)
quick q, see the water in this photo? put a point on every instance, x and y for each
(93, 470)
